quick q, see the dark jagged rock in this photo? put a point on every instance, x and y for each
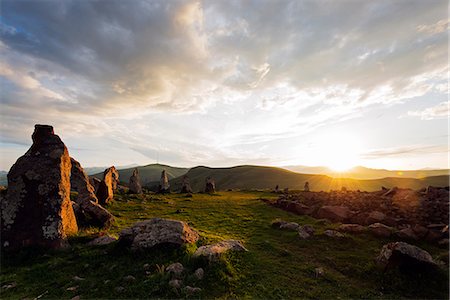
(210, 185)
(186, 185)
(164, 186)
(95, 182)
(403, 255)
(37, 210)
(135, 183)
(108, 186)
(90, 212)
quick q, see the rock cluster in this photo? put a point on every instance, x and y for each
(164, 186)
(210, 185)
(135, 185)
(36, 210)
(107, 187)
(154, 232)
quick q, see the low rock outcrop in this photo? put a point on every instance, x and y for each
(90, 213)
(108, 186)
(36, 210)
(212, 252)
(135, 185)
(403, 255)
(150, 233)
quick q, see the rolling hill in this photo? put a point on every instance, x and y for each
(259, 177)
(149, 173)
(360, 172)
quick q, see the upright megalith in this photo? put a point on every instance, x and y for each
(36, 210)
(89, 210)
(164, 186)
(210, 185)
(108, 186)
(186, 185)
(135, 182)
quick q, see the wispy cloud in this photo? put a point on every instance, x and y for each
(442, 110)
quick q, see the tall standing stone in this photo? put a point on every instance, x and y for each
(135, 182)
(164, 186)
(210, 185)
(89, 210)
(37, 210)
(186, 185)
(108, 186)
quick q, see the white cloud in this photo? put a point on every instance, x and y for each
(442, 110)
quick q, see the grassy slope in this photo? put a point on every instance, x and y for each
(278, 264)
(149, 173)
(257, 177)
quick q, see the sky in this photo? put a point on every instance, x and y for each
(223, 83)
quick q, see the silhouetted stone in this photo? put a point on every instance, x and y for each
(164, 186)
(37, 210)
(334, 213)
(400, 254)
(210, 185)
(186, 185)
(306, 188)
(135, 183)
(108, 186)
(91, 213)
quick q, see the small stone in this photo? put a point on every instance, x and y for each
(9, 285)
(146, 267)
(77, 297)
(175, 269)
(199, 273)
(175, 283)
(129, 278)
(309, 229)
(106, 281)
(333, 233)
(318, 272)
(72, 288)
(290, 226)
(192, 290)
(102, 240)
(76, 278)
(303, 234)
(119, 289)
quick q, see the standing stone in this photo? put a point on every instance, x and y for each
(210, 185)
(108, 186)
(135, 183)
(306, 187)
(186, 185)
(37, 210)
(164, 186)
(89, 210)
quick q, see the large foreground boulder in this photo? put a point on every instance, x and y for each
(108, 186)
(212, 252)
(154, 232)
(334, 213)
(135, 185)
(403, 255)
(92, 213)
(36, 210)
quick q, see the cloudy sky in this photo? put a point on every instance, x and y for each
(222, 83)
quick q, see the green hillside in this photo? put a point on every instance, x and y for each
(258, 177)
(148, 173)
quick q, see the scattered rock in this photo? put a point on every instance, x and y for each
(90, 212)
(77, 278)
(164, 186)
(176, 283)
(9, 285)
(120, 289)
(77, 297)
(175, 269)
(214, 251)
(404, 255)
(309, 229)
(334, 213)
(277, 223)
(318, 272)
(420, 231)
(333, 233)
(303, 234)
(36, 210)
(135, 182)
(129, 278)
(352, 228)
(290, 226)
(407, 234)
(102, 240)
(191, 290)
(199, 273)
(380, 230)
(210, 185)
(108, 186)
(375, 217)
(186, 185)
(72, 288)
(147, 234)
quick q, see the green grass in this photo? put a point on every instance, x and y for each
(278, 264)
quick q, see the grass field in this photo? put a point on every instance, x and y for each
(278, 264)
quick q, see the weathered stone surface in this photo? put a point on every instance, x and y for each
(37, 210)
(108, 186)
(407, 234)
(380, 230)
(334, 213)
(186, 185)
(309, 229)
(176, 269)
(290, 226)
(303, 234)
(333, 233)
(135, 185)
(95, 182)
(375, 217)
(164, 186)
(150, 233)
(212, 252)
(210, 185)
(404, 255)
(102, 240)
(199, 273)
(90, 213)
(352, 228)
